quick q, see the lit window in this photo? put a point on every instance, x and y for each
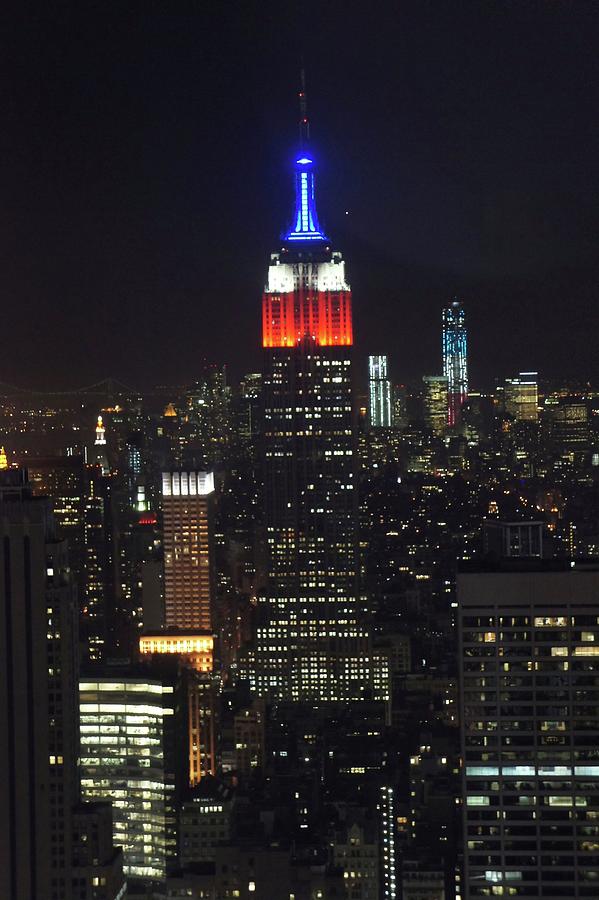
(477, 800)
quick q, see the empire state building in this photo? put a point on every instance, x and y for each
(311, 644)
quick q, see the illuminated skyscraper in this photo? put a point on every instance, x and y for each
(569, 426)
(134, 729)
(196, 652)
(311, 645)
(435, 402)
(379, 393)
(188, 558)
(100, 433)
(522, 397)
(455, 359)
(99, 449)
(189, 595)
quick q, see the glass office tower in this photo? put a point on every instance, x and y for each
(455, 359)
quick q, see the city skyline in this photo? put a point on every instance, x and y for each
(299, 597)
(122, 205)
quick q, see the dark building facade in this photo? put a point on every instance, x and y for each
(39, 735)
(529, 657)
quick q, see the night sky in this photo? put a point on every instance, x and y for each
(145, 153)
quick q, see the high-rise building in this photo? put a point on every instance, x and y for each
(188, 558)
(249, 403)
(521, 397)
(81, 501)
(99, 448)
(399, 405)
(39, 737)
(455, 359)
(100, 440)
(311, 644)
(210, 419)
(196, 652)
(134, 752)
(189, 597)
(435, 402)
(529, 660)
(379, 393)
(569, 430)
(38, 741)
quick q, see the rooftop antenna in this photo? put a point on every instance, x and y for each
(304, 124)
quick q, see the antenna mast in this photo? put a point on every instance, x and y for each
(304, 124)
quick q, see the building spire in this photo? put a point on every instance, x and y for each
(304, 123)
(305, 226)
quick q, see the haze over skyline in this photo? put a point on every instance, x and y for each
(146, 177)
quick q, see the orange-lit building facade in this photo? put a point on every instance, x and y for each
(196, 651)
(325, 316)
(188, 557)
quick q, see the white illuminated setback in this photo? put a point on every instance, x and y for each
(323, 276)
(187, 484)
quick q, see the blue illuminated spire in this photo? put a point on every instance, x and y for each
(305, 225)
(305, 220)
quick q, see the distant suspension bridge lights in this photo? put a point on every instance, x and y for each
(108, 388)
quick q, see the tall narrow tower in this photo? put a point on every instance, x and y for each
(379, 393)
(455, 359)
(310, 644)
(188, 558)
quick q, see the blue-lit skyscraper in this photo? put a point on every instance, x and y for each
(379, 393)
(311, 642)
(455, 359)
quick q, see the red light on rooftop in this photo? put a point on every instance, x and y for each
(147, 520)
